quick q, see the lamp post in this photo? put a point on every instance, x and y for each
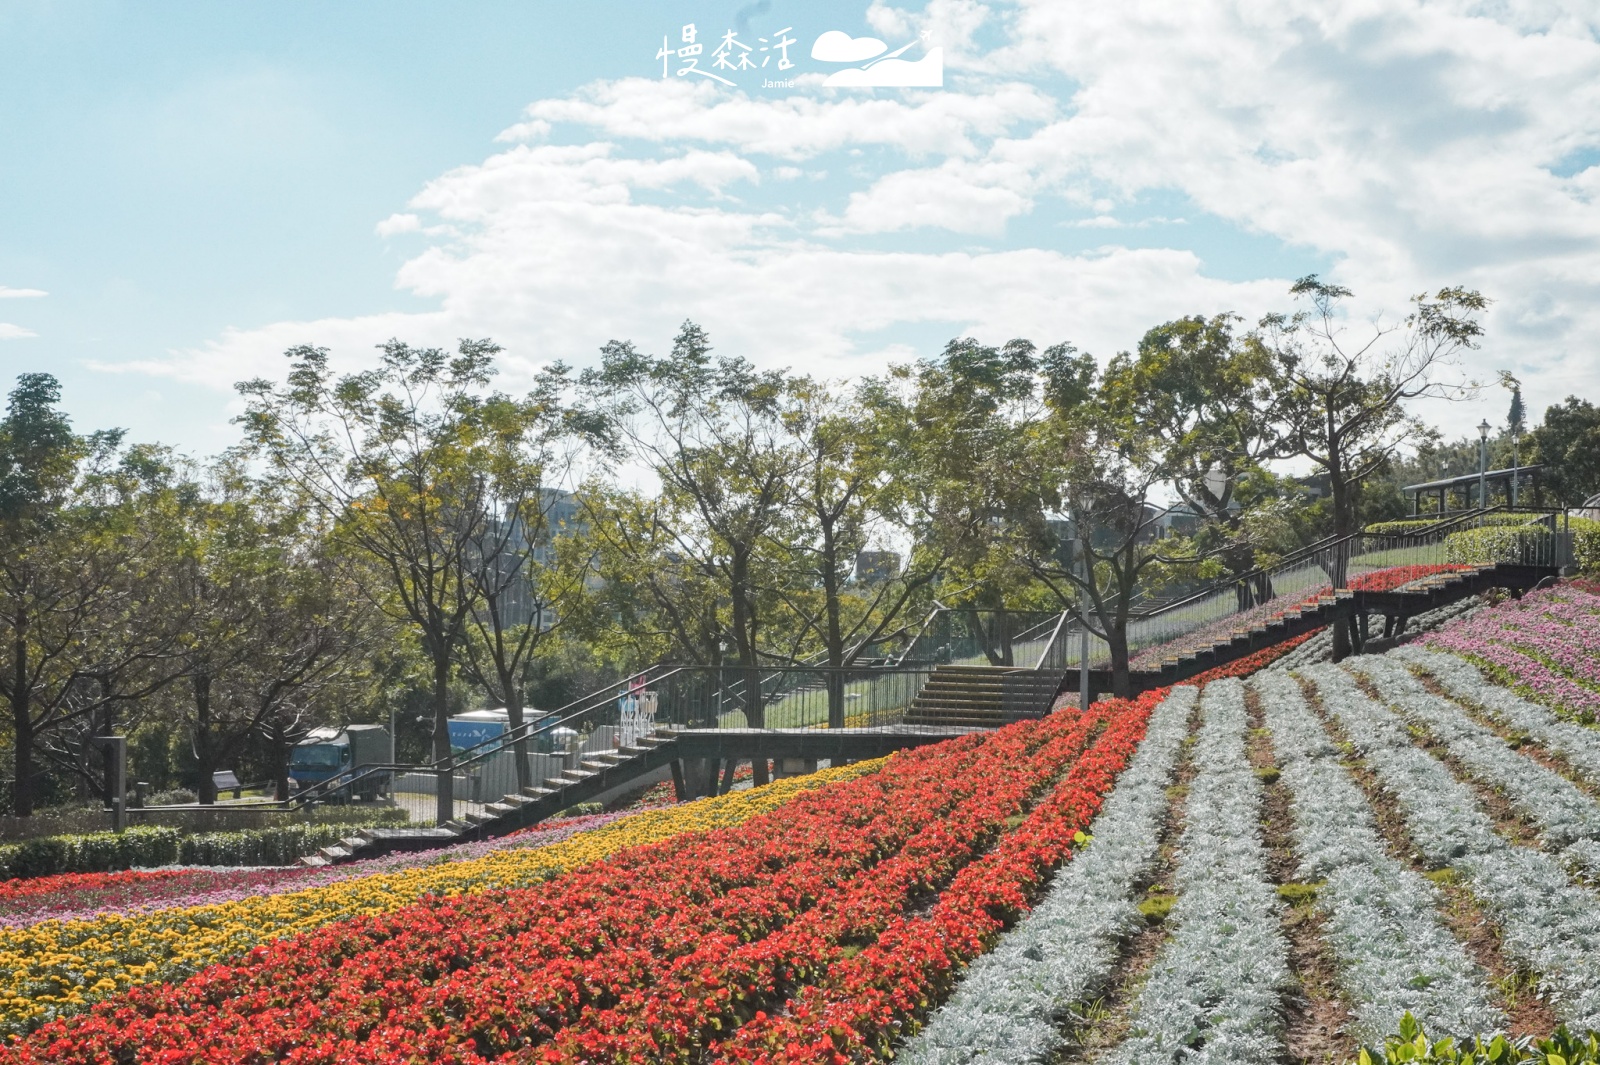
(1483, 463)
(1516, 465)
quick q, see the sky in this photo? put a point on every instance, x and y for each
(188, 190)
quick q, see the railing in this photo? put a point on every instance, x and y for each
(1464, 541)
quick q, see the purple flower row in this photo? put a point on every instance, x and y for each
(1548, 643)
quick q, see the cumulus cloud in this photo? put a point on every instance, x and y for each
(14, 332)
(8, 293)
(1409, 146)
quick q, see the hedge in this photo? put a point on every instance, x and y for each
(1586, 544)
(1415, 525)
(1497, 543)
(148, 846)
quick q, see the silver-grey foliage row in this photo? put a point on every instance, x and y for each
(1547, 924)
(1466, 683)
(1215, 991)
(1012, 1004)
(1393, 952)
(1568, 820)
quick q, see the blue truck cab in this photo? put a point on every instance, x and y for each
(330, 752)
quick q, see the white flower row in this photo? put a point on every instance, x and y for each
(1215, 991)
(1546, 924)
(1394, 953)
(1578, 745)
(1568, 820)
(1011, 1003)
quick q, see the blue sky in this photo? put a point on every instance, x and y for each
(196, 187)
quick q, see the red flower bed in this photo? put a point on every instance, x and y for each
(85, 884)
(1243, 667)
(653, 952)
(861, 1004)
(1385, 580)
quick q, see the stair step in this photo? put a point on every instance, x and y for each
(353, 843)
(556, 783)
(314, 861)
(500, 809)
(535, 792)
(334, 853)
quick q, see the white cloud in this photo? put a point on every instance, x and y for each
(1407, 145)
(14, 332)
(7, 293)
(398, 223)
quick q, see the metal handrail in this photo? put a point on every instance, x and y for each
(1055, 635)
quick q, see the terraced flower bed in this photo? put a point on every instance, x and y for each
(1225, 628)
(1390, 859)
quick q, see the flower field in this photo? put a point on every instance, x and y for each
(1393, 858)
(1546, 646)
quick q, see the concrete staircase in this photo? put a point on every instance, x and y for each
(982, 696)
(1185, 662)
(598, 773)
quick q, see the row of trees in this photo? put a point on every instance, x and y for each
(413, 528)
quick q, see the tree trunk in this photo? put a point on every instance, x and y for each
(445, 808)
(278, 743)
(519, 745)
(22, 725)
(204, 750)
(1117, 644)
(833, 636)
(1339, 570)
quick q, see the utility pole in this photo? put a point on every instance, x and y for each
(1083, 625)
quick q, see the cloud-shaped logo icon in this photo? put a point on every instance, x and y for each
(836, 46)
(888, 72)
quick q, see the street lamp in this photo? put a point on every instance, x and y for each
(1516, 464)
(1483, 463)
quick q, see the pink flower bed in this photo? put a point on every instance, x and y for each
(1547, 644)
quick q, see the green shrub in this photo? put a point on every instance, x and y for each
(152, 845)
(1414, 525)
(90, 852)
(279, 845)
(1413, 1045)
(1498, 543)
(1586, 544)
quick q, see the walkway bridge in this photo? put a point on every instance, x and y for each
(964, 670)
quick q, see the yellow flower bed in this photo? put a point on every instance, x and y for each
(57, 967)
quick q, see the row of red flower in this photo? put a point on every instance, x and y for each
(657, 950)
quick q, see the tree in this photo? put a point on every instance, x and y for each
(711, 432)
(1343, 402)
(274, 618)
(835, 504)
(1204, 394)
(955, 434)
(80, 523)
(1567, 442)
(524, 583)
(395, 458)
